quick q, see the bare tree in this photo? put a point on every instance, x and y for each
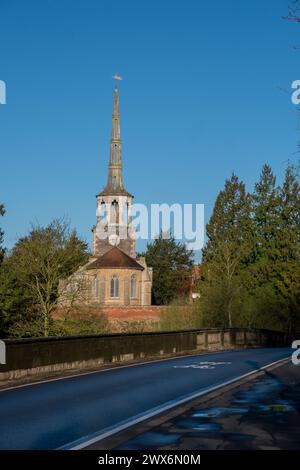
(43, 258)
(224, 282)
(75, 291)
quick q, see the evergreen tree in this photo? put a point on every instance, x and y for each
(251, 263)
(266, 215)
(16, 302)
(287, 282)
(172, 263)
(226, 255)
(263, 269)
(2, 212)
(273, 276)
(271, 214)
(230, 220)
(290, 214)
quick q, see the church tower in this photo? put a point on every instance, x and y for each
(114, 276)
(113, 227)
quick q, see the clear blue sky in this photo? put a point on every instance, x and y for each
(201, 97)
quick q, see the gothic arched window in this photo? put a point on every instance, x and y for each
(125, 213)
(116, 129)
(133, 286)
(102, 212)
(114, 217)
(114, 286)
(115, 159)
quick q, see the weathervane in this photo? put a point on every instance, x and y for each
(117, 77)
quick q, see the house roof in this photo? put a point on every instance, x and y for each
(115, 258)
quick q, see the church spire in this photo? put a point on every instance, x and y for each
(114, 203)
(115, 179)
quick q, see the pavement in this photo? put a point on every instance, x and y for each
(78, 410)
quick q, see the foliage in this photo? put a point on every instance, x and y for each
(2, 212)
(250, 271)
(60, 327)
(179, 317)
(226, 254)
(172, 263)
(132, 326)
(251, 263)
(36, 265)
(16, 302)
(230, 221)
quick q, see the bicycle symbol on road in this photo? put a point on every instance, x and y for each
(202, 365)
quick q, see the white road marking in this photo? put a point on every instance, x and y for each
(107, 432)
(202, 365)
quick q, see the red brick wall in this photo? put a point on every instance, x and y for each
(134, 313)
(116, 313)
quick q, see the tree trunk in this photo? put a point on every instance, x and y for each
(46, 324)
(229, 315)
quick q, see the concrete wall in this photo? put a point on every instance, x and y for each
(36, 356)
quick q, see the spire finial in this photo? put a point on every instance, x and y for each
(117, 77)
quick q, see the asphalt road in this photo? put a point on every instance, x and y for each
(259, 414)
(63, 413)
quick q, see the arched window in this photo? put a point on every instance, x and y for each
(125, 213)
(114, 286)
(96, 287)
(116, 129)
(102, 212)
(114, 218)
(133, 286)
(115, 159)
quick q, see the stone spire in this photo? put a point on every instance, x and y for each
(114, 203)
(115, 179)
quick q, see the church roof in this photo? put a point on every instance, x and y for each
(108, 191)
(115, 258)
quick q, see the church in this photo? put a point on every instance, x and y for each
(114, 276)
